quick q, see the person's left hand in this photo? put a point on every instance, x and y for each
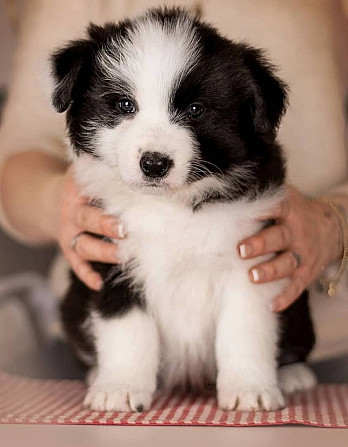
(306, 237)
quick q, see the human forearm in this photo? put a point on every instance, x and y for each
(30, 188)
(43, 203)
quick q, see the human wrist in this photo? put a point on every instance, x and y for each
(341, 201)
(338, 239)
(333, 236)
(332, 282)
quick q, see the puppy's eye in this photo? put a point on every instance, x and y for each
(195, 110)
(127, 106)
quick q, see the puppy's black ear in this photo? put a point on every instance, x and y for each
(268, 93)
(67, 64)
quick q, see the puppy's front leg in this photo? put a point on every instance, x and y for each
(246, 350)
(127, 362)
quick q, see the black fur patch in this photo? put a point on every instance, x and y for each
(244, 102)
(82, 88)
(297, 337)
(75, 312)
(115, 299)
(118, 294)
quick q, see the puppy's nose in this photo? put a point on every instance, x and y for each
(155, 164)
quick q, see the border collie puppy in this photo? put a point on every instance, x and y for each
(173, 128)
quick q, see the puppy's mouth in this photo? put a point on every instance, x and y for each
(152, 186)
(155, 184)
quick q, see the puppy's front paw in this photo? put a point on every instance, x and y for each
(117, 398)
(296, 377)
(256, 398)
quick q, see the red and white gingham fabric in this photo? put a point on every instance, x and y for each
(29, 401)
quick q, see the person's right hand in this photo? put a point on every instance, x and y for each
(76, 217)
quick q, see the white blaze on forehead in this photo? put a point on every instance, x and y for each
(153, 60)
(148, 65)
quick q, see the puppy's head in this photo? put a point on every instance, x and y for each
(167, 104)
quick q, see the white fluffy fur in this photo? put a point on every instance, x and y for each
(204, 319)
(296, 377)
(209, 316)
(128, 360)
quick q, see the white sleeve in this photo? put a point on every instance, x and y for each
(29, 121)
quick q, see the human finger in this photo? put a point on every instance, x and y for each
(84, 271)
(291, 292)
(93, 220)
(272, 239)
(281, 266)
(279, 211)
(93, 249)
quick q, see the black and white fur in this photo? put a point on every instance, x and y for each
(173, 128)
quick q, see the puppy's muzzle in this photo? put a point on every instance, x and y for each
(155, 164)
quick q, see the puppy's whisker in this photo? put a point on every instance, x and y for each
(214, 165)
(198, 166)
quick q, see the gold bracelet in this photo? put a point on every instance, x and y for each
(331, 283)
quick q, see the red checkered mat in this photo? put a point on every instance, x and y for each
(29, 401)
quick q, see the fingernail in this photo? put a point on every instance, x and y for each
(120, 230)
(257, 274)
(245, 250)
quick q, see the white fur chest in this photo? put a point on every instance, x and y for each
(184, 261)
(180, 258)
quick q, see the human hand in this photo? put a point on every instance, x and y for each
(78, 217)
(306, 237)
